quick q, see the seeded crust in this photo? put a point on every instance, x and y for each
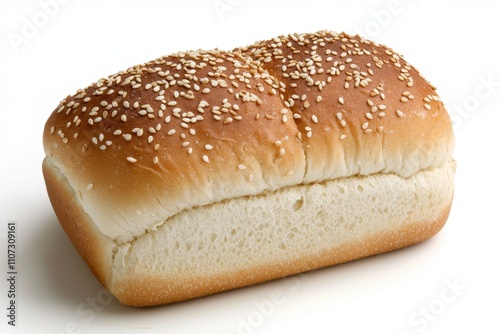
(359, 101)
(171, 163)
(187, 131)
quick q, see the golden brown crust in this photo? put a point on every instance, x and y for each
(197, 128)
(150, 291)
(360, 101)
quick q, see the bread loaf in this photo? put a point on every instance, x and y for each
(205, 171)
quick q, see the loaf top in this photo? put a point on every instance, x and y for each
(199, 127)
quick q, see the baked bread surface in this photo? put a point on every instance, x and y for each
(204, 171)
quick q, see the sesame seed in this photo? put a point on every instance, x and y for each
(155, 160)
(241, 167)
(282, 151)
(364, 126)
(171, 132)
(138, 131)
(90, 186)
(341, 100)
(343, 136)
(314, 119)
(399, 113)
(205, 158)
(368, 115)
(123, 118)
(428, 107)
(131, 159)
(127, 136)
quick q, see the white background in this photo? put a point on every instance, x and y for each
(50, 48)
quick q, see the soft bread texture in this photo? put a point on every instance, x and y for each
(205, 171)
(202, 251)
